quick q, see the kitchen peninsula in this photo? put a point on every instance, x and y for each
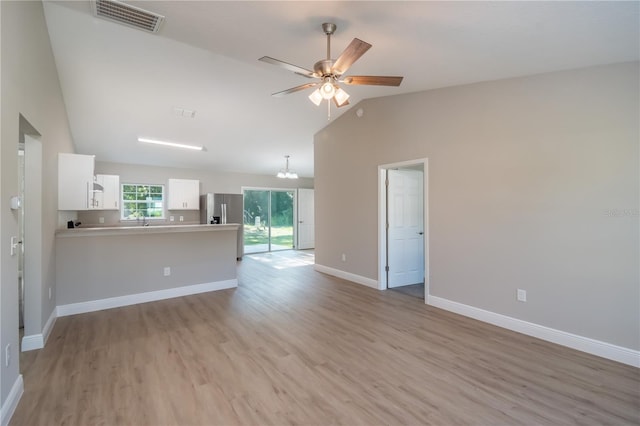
(105, 267)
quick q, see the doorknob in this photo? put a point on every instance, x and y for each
(420, 233)
(301, 221)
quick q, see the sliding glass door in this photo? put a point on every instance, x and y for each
(268, 220)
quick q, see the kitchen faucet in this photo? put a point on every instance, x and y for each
(145, 221)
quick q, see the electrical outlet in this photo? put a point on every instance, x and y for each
(171, 218)
(181, 218)
(344, 257)
(167, 271)
(7, 355)
(101, 219)
(521, 295)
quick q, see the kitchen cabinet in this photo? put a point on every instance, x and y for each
(109, 198)
(75, 181)
(184, 194)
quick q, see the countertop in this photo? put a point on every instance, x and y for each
(137, 230)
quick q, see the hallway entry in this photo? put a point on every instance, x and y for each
(403, 230)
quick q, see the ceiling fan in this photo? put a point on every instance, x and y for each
(330, 72)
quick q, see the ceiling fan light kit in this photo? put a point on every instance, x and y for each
(316, 97)
(328, 89)
(341, 97)
(330, 71)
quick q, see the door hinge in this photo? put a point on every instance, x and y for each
(386, 268)
(386, 182)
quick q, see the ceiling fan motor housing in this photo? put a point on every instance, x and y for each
(323, 68)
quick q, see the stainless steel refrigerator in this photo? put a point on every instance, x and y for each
(224, 208)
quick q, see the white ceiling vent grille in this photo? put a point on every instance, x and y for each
(128, 15)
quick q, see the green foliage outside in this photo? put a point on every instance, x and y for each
(280, 235)
(256, 205)
(142, 201)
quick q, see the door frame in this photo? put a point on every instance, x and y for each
(412, 233)
(32, 245)
(382, 220)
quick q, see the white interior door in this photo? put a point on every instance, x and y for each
(405, 235)
(306, 222)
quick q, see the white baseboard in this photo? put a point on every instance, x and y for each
(347, 276)
(48, 327)
(11, 403)
(584, 344)
(32, 342)
(37, 341)
(134, 299)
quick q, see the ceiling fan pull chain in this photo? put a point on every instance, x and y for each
(328, 110)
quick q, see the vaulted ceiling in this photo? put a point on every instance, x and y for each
(121, 83)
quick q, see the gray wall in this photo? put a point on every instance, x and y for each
(533, 184)
(29, 86)
(210, 181)
(122, 265)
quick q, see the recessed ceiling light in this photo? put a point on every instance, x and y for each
(172, 144)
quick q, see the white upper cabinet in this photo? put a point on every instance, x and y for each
(76, 190)
(75, 181)
(184, 194)
(109, 198)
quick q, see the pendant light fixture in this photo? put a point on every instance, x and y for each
(286, 173)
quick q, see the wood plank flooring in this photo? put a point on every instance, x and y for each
(293, 346)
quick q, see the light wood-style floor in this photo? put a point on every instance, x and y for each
(293, 346)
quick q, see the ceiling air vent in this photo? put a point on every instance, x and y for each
(128, 15)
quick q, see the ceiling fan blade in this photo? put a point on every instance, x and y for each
(373, 80)
(352, 53)
(345, 103)
(294, 89)
(296, 69)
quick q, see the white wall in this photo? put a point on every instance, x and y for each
(526, 178)
(30, 87)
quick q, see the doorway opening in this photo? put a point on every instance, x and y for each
(403, 237)
(29, 239)
(269, 215)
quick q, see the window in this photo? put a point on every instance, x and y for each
(140, 201)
